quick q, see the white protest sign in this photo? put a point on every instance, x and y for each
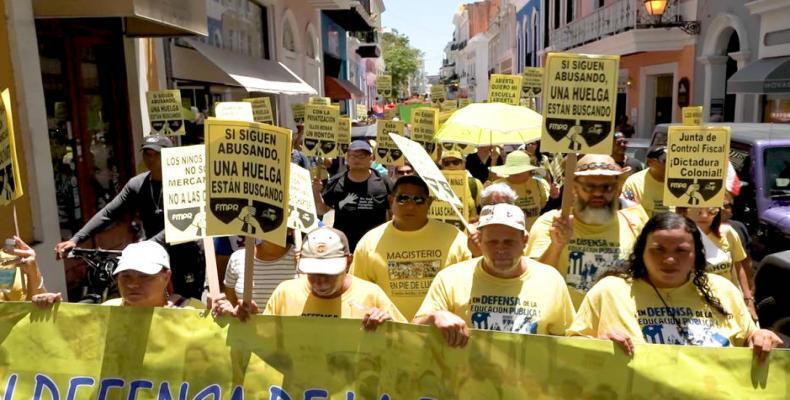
(302, 213)
(427, 169)
(234, 111)
(184, 188)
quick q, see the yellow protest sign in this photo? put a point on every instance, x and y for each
(424, 124)
(384, 86)
(302, 213)
(297, 109)
(390, 113)
(437, 94)
(442, 210)
(188, 354)
(504, 88)
(261, 110)
(234, 111)
(463, 102)
(164, 112)
(426, 168)
(531, 82)
(320, 129)
(579, 103)
(247, 182)
(362, 111)
(692, 116)
(386, 151)
(183, 192)
(319, 101)
(449, 105)
(10, 180)
(343, 136)
(697, 161)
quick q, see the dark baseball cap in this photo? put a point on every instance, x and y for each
(156, 142)
(360, 145)
(656, 151)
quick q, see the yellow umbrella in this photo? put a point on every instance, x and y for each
(481, 124)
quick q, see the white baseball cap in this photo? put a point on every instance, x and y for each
(324, 252)
(146, 257)
(502, 214)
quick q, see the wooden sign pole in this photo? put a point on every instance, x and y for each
(249, 254)
(211, 267)
(567, 194)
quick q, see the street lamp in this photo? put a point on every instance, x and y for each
(656, 9)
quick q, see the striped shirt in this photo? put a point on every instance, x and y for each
(266, 275)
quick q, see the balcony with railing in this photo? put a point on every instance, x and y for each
(616, 18)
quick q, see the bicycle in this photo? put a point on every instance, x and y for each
(99, 283)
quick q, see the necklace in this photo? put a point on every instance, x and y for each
(157, 204)
(681, 327)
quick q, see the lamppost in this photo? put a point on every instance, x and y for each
(656, 9)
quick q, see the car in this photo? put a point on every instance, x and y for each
(760, 154)
(636, 148)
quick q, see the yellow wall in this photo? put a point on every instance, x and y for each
(23, 203)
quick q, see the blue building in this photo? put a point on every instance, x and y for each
(529, 35)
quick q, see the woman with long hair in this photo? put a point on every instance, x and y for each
(663, 295)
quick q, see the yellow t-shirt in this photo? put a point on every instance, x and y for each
(730, 243)
(532, 197)
(177, 302)
(642, 188)
(404, 264)
(592, 250)
(535, 302)
(294, 298)
(632, 307)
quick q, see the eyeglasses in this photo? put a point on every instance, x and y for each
(591, 188)
(450, 162)
(416, 199)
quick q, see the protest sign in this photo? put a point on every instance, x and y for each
(384, 86)
(437, 94)
(697, 162)
(386, 151)
(343, 136)
(504, 88)
(297, 109)
(362, 111)
(463, 102)
(246, 185)
(426, 168)
(579, 109)
(390, 113)
(692, 116)
(164, 112)
(424, 124)
(319, 101)
(464, 148)
(262, 110)
(234, 111)
(10, 180)
(184, 189)
(531, 82)
(302, 214)
(320, 130)
(449, 105)
(442, 210)
(188, 354)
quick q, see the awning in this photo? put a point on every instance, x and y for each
(340, 89)
(252, 73)
(767, 75)
(354, 19)
(142, 17)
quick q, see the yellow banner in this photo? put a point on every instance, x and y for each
(463, 102)
(261, 110)
(10, 179)
(102, 352)
(442, 210)
(343, 136)
(320, 129)
(164, 112)
(234, 111)
(504, 89)
(424, 124)
(386, 151)
(697, 160)
(579, 106)
(302, 214)
(184, 192)
(247, 181)
(692, 116)
(437, 94)
(384, 86)
(297, 109)
(531, 82)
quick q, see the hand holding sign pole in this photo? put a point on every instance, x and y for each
(10, 178)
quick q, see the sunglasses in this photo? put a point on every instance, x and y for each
(450, 162)
(416, 199)
(590, 188)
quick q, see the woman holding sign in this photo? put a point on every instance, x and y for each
(664, 296)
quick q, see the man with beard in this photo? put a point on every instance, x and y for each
(599, 233)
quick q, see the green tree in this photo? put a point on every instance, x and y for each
(400, 59)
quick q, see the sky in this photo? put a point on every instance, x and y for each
(427, 23)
